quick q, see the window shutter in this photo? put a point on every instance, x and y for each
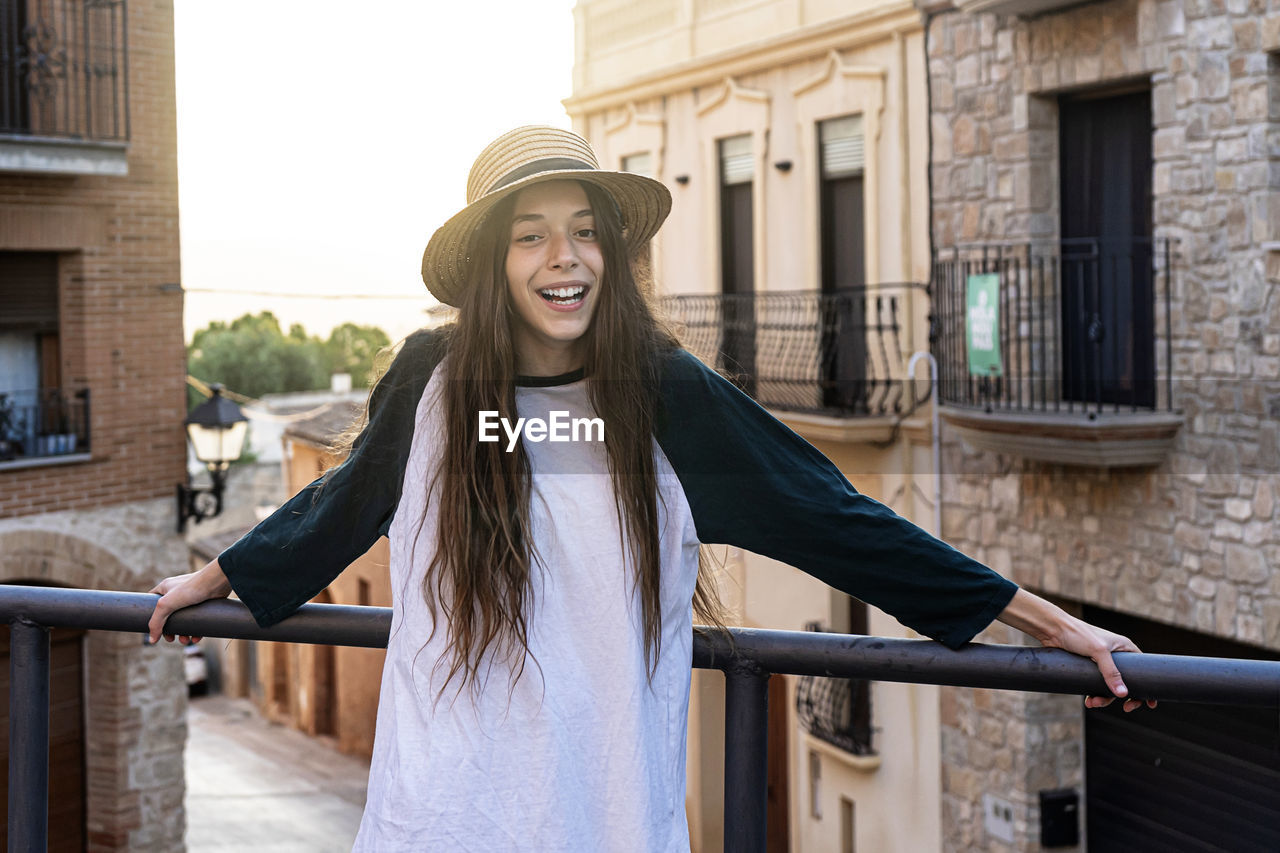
(29, 291)
(736, 163)
(639, 164)
(842, 148)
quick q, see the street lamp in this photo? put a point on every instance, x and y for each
(216, 429)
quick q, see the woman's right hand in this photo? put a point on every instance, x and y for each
(182, 591)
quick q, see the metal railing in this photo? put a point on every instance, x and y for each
(46, 423)
(747, 657)
(1082, 325)
(837, 711)
(64, 69)
(836, 353)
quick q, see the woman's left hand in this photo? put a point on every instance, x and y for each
(1055, 628)
(1097, 644)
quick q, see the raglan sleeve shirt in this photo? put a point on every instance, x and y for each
(295, 553)
(751, 482)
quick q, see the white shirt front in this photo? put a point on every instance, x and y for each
(584, 751)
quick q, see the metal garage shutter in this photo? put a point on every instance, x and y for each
(1183, 777)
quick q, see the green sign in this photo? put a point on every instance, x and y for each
(982, 324)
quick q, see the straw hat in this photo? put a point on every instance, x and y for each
(518, 159)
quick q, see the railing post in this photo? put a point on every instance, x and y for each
(28, 737)
(746, 756)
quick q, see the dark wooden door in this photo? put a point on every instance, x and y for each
(844, 344)
(737, 281)
(777, 808)
(66, 739)
(1108, 308)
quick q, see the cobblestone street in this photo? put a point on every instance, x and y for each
(256, 786)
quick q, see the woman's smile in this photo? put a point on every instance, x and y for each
(568, 296)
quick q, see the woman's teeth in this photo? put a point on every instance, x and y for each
(563, 295)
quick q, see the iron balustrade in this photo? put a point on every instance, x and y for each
(833, 710)
(835, 353)
(748, 657)
(1083, 325)
(64, 69)
(40, 424)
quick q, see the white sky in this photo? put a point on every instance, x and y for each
(320, 142)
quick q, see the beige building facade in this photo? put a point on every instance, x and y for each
(793, 137)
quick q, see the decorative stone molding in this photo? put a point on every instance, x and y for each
(731, 90)
(830, 94)
(732, 110)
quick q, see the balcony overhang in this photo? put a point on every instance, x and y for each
(1021, 8)
(1096, 440)
(45, 156)
(860, 430)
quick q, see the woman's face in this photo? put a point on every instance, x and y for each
(553, 272)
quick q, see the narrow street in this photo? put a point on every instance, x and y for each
(255, 786)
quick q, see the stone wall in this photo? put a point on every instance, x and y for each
(1191, 542)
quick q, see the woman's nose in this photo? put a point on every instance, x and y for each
(564, 255)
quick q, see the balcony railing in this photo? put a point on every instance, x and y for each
(836, 710)
(836, 353)
(64, 70)
(43, 424)
(747, 657)
(1079, 326)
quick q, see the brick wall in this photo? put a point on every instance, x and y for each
(108, 522)
(120, 333)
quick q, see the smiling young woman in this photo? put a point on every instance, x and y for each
(536, 684)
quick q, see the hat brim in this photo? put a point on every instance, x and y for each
(446, 263)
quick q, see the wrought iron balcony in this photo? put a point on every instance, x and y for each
(1058, 351)
(837, 353)
(37, 427)
(64, 85)
(836, 710)
(748, 659)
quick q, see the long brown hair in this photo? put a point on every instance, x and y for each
(480, 576)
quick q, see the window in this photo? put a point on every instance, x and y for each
(843, 259)
(737, 260)
(63, 69)
(639, 164)
(38, 417)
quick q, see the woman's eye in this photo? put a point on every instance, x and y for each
(587, 233)
(526, 238)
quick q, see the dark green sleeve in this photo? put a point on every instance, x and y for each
(753, 483)
(295, 553)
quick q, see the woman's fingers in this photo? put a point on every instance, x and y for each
(175, 594)
(1110, 672)
(182, 591)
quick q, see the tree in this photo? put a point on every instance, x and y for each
(353, 349)
(253, 357)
